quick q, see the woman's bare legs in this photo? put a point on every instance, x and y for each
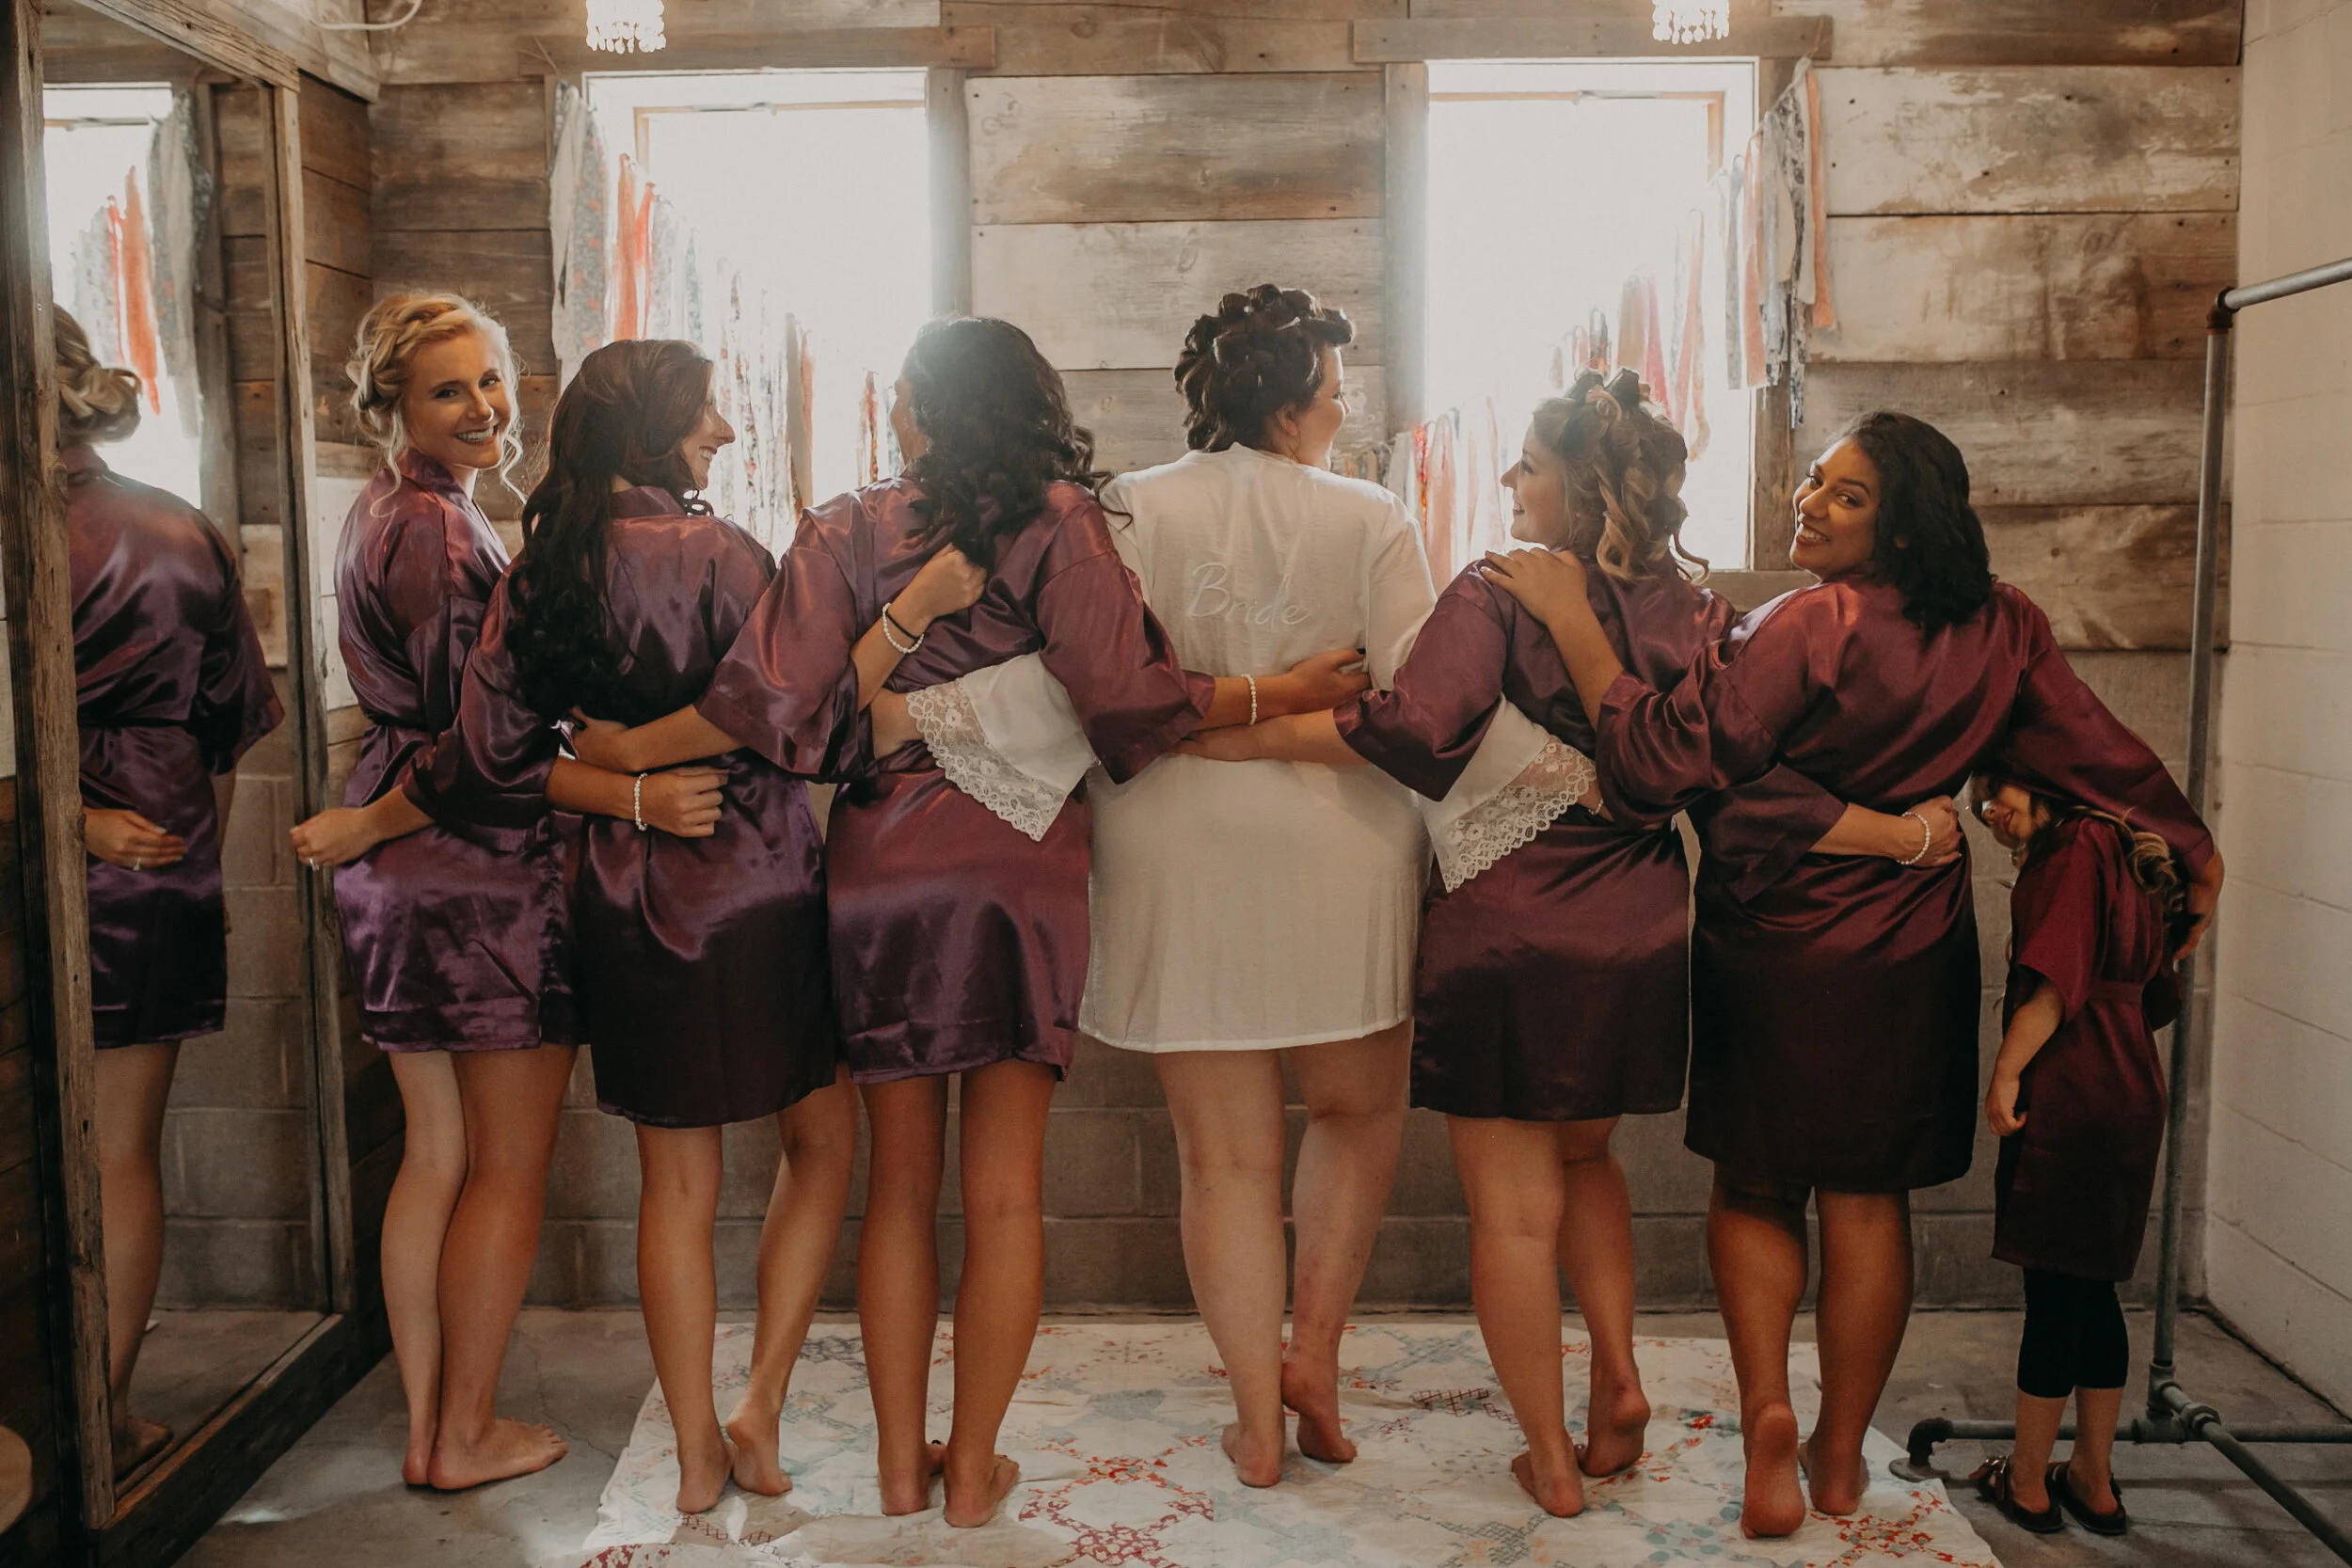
(415, 1224)
(1596, 1248)
(1756, 1245)
(1864, 1306)
(511, 1101)
(134, 1084)
(677, 1212)
(898, 1279)
(1228, 1110)
(796, 1245)
(1355, 1092)
(1513, 1176)
(1002, 1146)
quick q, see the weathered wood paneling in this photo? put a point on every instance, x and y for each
(1138, 417)
(2052, 286)
(2108, 577)
(505, 269)
(461, 157)
(1137, 149)
(334, 223)
(1048, 40)
(1122, 296)
(335, 134)
(1581, 32)
(2031, 139)
(2076, 433)
(487, 40)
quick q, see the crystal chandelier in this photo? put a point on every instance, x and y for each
(626, 26)
(1681, 21)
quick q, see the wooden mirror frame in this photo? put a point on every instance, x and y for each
(178, 1499)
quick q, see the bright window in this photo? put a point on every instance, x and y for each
(1564, 196)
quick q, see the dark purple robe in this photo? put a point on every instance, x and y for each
(957, 942)
(1554, 986)
(2072, 1188)
(1835, 999)
(699, 963)
(171, 690)
(456, 934)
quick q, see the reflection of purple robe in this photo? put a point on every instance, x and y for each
(1834, 1025)
(1554, 986)
(173, 690)
(455, 935)
(699, 962)
(957, 942)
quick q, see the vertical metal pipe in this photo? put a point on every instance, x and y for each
(2200, 675)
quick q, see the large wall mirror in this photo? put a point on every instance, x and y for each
(202, 1141)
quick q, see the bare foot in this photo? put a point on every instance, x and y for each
(1316, 1397)
(972, 1506)
(416, 1466)
(908, 1489)
(137, 1442)
(1253, 1464)
(1774, 1502)
(1616, 1431)
(701, 1480)
(1833, 1494)
(1560, 1494)
(759, 1466)
(510, 1448)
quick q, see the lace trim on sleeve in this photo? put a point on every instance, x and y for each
(1514, 814)
(950, 727)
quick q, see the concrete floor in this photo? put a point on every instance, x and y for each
(337, 1497)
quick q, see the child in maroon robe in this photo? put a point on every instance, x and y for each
(2078, 1100)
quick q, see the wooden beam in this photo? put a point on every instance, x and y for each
(36, 576)
(497, 48)
(1064, 39)
(2018, 31)
(211, 30)
(1405, 115)
(1609, 35)
(949, 171)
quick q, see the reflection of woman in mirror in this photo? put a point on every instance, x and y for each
(173, 690)
(701, 971)
(455, 935)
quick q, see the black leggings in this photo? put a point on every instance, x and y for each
(2074, 1338)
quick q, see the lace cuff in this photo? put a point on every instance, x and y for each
(951, 728)
(1514, 814)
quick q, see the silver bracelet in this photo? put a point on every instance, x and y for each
(636, 803)
(1927, 836)
(1253, 697)
(890, 629)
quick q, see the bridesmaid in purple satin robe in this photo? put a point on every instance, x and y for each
(958, 944)
(456, 934)
(1835, 1000)
(1579, 911)
(172, 690)
(700, 971)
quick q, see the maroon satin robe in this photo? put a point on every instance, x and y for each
(957, 942)
(2072, 1188)
(699, 963)
(1835, 999)
(1554, 986)
(457, 935)
(171, 690)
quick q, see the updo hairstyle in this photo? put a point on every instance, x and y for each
(95, 402)
(1625, 466)
(394, 329)
(1258, 355)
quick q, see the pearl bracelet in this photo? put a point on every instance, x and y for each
(636, 803)
(1927, 837)
(892, 631)
(1253, 697)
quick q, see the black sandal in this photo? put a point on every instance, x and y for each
(2063, 1493)
(1993, 1478)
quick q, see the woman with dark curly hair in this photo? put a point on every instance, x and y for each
(701, 976)
(1835, 1000)
(958, 940)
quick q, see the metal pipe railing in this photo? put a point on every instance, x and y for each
(2173, 1415)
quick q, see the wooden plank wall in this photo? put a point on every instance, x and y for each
(2028, 205)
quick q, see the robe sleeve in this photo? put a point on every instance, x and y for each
(1009, 736)
(440, 626)
(1133, 699)
(2064, 741)
(491, 766)
(1423, 724)
(787, 688)
(236, 703)
(2060, 913)
(1722, 723)
(1397, 595)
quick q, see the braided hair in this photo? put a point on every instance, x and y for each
(394, 329)
(1258, 355)
(1625, 467)
(95, 402)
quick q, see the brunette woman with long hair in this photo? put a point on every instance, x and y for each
(1835, 1000)
(960, 942)
(700, 956)
(456, 935)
